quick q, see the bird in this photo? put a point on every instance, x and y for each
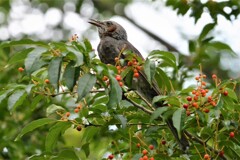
(113, 40)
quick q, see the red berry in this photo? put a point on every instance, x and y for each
(138, 67)
(221, 153)
(20, 69)
(145, 157)
(118, 67)
(76, 110)
(213, 103)
(136, 75)
(129, 63)
(203, 91)
(118, 77)
(188, 112)
(214, 76)
(163, 142)
(185, 106)
(194, 104)
(194, 92)
(68, 114)
(197, 78)
(138, 145)
(144, 152)
(206, 110)
(110, 156)
(195, 98)
(151, 158)
(151, 147)
(209, 98)
(225, 93)
(47, 81)
(189, 98)
(231, 135)
(206, 156)
(141, 158)
(135, 63)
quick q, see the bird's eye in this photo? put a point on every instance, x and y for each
(109, 23)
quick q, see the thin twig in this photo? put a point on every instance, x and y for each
(144, 99)
(140, 107)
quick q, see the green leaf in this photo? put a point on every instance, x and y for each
(33, 125)
(163, 80)
(122, 119)
(5, 94)
(85, 84)
(71, 75)
(20, 56)
(88, 45)
(68, 154)
(216, 46)
(53, 108)
(178, 119)
(54, 133)
(16, 99)
(23, 42)
(86, 149)
(33, 58)
(78, 55)
(89, 133)
(54, 70)
(149, 69)
(115, 94)
(36, 101)
(192, 46)
(157, 113)
(163, 55)
(206, 29)
(231, 94)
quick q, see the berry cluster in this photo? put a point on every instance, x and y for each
(199, 98)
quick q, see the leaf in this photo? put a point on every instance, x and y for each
(216, 45)
(163, 55)
(20, 56)
(86, 149)
(78, 55)
(115, 94)
(32, 59)
(16, 99)
(5, 94)
(23, 42)
(122, 119)
(162, 80)
(178, 119)
(206, 29)
(54, 133)
(89, 133)
(53, 108)
(71, 75)
(88, 45)
(54, 70)
(85, 84)
(67, 154)
(157, 113)
(33, 125)
(149, 70)
(36, 101)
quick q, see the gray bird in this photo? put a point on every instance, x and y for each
(113, 39)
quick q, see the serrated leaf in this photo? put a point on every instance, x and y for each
(115, 94)
(36, 101)
(33, 58)
(158, 113)
(122, 119)
(85, 84)
(162, 80)
(54, 133)
(16, 99)
(53, 108)
(206, 29)
(19, 56)
(5, 94)
(54, 70)
(178, 119)
(33, 125)
(149, 69)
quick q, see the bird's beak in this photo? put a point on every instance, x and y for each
(95, 22)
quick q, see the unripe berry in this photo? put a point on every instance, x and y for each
(138, 145)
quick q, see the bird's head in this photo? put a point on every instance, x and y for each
(109, 29)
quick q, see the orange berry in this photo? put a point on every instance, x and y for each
(204, 95)
(194, 104)
(195, 98)
(213, 103)
(135, 71)
(129, 63)
(203, 83)
(231, 135)
(67, 114)
(135, 63)
(20, 69)
(144, 152)
(204, 76)
(47, 81)
(134, 60)
(138, 67)
(138, 145)
(79, 128)
(206, 90)
(214, 76)
(197, 78)
(76, 110)
(209, 98)
(151, 158)
(118, 67)
(79, 106)
(105, 78)
(194, 92)
(118, 77)
(206, 156)
(145, 157)
(120, 84)
(203, 91)
(136, 75)
(206, 110)
(151, 147)
(225, 93)
(141, 158)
